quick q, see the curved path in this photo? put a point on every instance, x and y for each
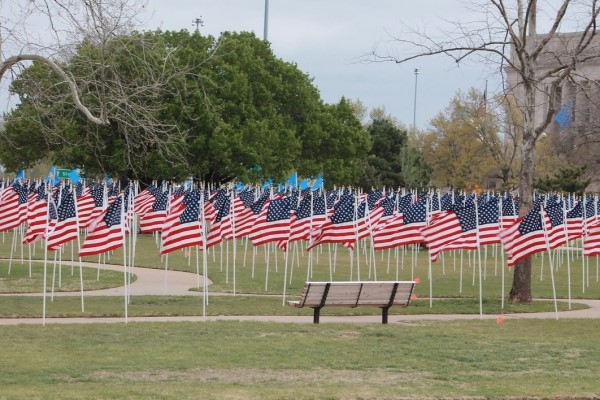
(176, 283)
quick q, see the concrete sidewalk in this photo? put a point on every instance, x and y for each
(175, 283)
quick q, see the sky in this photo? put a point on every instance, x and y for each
(326, 39)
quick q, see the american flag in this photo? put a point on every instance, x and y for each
(182, 226)
(557, 234)
(221, 227)
(240, 210)
(488, 222)
(404, 203)
(13, 206)
(67, 226)
(456, 229)
(98, 193)
(369, 214)
(144, 200)
(526, 236)
(590, 211)
(341, 228)
(404, 229)
(591, 242)
(215, 203)
(108, 233)
(85, 203)
(273, 224)
(153, 218)
(247, 196)
(510, 211)
(435, 206)
(389, 207)
(311, 212)
(112, 191)
(37, 214)
(447, 201)
(245, 220)
(300, 219)
(349, 221)
(385, 234)
(574, 221)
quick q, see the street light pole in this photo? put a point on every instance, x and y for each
(415, 102)
(266, 23)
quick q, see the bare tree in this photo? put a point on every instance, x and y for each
(53, 32)
(49, 30)
(507, 36)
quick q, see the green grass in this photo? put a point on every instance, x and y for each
(249, 360)
(266, 274)
(140, 306)
(63, 278)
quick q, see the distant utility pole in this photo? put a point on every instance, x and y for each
(198, 22)
(266, 31)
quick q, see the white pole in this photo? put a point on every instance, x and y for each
(266, 25)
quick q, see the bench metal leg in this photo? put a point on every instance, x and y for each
(316, 315)
(384, 315)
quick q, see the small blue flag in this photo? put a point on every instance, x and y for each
(52, 177)
(74, 176)
(563, 117)
(20, 175)
(304, 184)
(293, 180)
(318, 183)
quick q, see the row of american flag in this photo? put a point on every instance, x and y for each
(187, 216)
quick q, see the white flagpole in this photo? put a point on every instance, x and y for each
(479, 255)
(549, 260)
(232, 219)
(568, 252)
(78, 244)
(204, 256)
(48, 199)
(501, 252)
(125, 278)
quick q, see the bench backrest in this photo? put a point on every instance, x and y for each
(352, 294)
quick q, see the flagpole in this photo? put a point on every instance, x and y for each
(45, 256)
(549, 260)
(232, 218)
(415, 102)
(78, 244)
(126, 286)
(501, 252)
(479, 256)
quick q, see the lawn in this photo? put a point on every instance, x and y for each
(249, 360)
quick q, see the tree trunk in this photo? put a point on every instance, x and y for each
(521, 286)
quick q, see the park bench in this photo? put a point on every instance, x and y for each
(382, 294)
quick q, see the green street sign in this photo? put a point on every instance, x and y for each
(63, 173)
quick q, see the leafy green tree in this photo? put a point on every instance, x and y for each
(334, 144)
(231, 110)
(568, 179)
(391, 162)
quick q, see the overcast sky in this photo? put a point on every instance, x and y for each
(325, 38)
